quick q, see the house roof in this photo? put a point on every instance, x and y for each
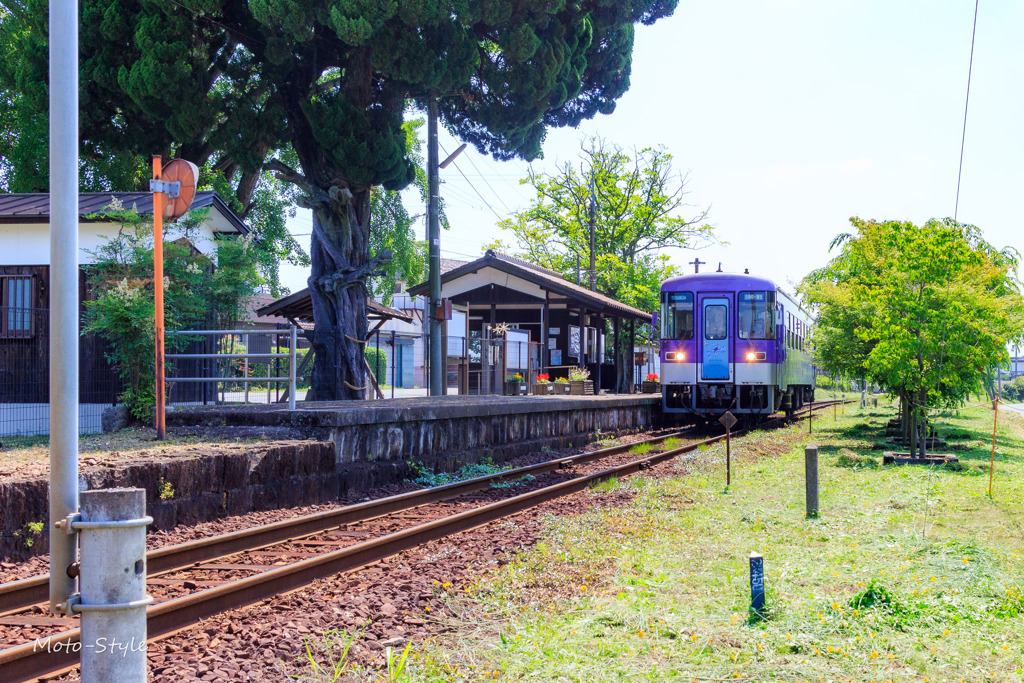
(299, 306)
(542, 277)
(35, 207)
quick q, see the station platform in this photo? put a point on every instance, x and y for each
(435, 429)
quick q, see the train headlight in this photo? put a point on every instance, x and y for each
(677, 356)
(755, 356)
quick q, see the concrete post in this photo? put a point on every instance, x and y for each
(113, 599)
(63, 280)
(811, 478)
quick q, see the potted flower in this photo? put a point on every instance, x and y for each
(542, 385)
(560, 386)
(514, 385)
(651, 385)
(579, 382)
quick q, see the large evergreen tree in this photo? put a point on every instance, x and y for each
(328, 80)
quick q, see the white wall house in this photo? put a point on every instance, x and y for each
(25, 227)
(25, 299)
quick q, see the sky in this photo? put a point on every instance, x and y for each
(789, 117)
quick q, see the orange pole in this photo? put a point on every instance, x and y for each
(995, 422)
(158, 297)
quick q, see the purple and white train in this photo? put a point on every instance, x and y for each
(732, 343)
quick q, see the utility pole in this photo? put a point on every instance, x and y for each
(593, 241)
(64, 285)
(434, 246)
(437, 366)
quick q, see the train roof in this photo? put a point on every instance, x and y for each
(725, 281)
(731, 282)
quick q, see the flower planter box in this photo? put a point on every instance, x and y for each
(515, 388)
(650, 387)
(581, 387)
(543, 389)
(560, 388)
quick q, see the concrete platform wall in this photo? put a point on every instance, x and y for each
(436, 430)
(322, 453)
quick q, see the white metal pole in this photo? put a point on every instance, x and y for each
(292, 357)
(64, 292)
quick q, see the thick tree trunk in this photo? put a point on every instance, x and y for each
(341, 262)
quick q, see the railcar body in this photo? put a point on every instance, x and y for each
(733, 343)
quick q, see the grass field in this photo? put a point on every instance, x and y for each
(909, 573)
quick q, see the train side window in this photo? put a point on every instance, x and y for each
(754, 315)
(677, 315)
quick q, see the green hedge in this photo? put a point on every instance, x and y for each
(378, 360)
(1013, 391)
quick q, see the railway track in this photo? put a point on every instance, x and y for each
(241, 568)
(17, 596)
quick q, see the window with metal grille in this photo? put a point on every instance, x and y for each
(17, 303)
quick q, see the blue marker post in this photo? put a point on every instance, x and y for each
(757, 584)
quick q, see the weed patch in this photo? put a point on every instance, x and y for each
(851, 459)
(909, 574)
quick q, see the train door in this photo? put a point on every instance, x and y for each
(715, 339)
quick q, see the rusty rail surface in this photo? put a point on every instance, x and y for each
(31, 661)
(19, 595)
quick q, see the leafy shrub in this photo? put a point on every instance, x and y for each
(121, 309)
(856, 461)
(1013, 391)
(378, 360)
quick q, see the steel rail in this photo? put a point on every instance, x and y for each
(18, 595)
(32, 661)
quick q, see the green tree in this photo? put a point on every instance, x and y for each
(637, 200)
(925, 311)
(117, 160)
(327, 81)
(120, 307)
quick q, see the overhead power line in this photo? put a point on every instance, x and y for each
(963, 136)
(473, 187)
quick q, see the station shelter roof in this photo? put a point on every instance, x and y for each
(525, 277)
(299, 307)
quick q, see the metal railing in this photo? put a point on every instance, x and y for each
(232, 353)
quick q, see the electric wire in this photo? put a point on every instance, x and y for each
(473, 187)
(963, 136)
(487, 182)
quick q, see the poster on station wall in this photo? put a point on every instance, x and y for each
(574, 342)
(556, 356)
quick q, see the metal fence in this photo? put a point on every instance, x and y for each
(25, 376)
(235, 366)
(265, 352)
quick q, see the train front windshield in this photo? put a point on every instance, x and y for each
(755, 312)
(677, 315)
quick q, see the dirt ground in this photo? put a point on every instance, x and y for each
(119, 448)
